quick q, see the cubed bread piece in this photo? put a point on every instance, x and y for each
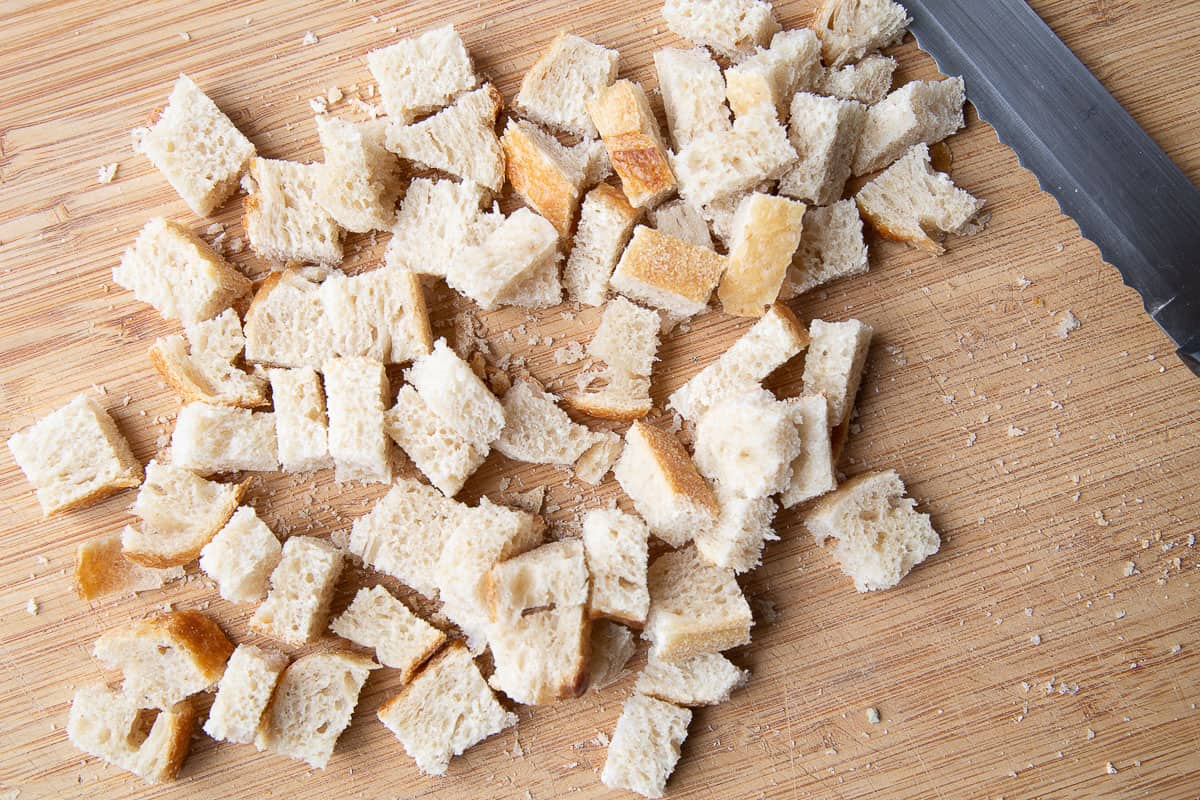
(312, 705)
(707, 173)
(659, 270)
(661, 479)
(379, 314)
(285, 324)
(630, 131)
(551, 576)
(460, 139)
(767, 345)
(911, 202)
(209, 439)
(626, 341)
(766, 235)
(813, 471)
(704, 680)
(203, 367)
(108, 724)
(283, 219)
(615, 544)
(825, 132)
(435, 222)
(445, 710)
(241, 557)
(591, 156)
(850, 29)
(437, 449)
(197, 148)
(404, 534)
(693, 94)
(878, 535)
(243, 694)
(422, 73)
(695, 607)
(75, 456)
(166, 657)
(605, 222)
(400, 638)
(457, 396)
(831, 248)
(868, 81)
(921, 112)
(302, 585)
(541, 657)
(359, 182)
(834, 365)
(558, 87)
(537, 431)
(737, 539)
(503, 258)
(610, 649)
(597, 460)
(772, 75)
(101, 568)
(732, 28)
(171, 268)
(301, 427)
(541, 288)
(181, 512)
(354, 393)
(746, 444)
(543, 172)
(683, 221)
(645, 746)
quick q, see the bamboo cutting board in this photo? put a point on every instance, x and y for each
(1062, 473)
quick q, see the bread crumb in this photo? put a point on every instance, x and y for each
(873, 715)
(1102, 521)
(107, 173)
(310, 38)
(1014, 431)
(1130, 569)
(971, 437)
(1036, 639)
(1067, 323)
(1091, 734)
(1175, 650)
(1109, 768)
(31, 607)
(333, 94)
(571, 353)
(1023, 282)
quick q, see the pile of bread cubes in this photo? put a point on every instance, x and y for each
(810, 108)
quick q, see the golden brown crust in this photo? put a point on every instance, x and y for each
(195, 633)
(98, 567)
(896, 235)
(577, 684)
(601, 405)
(796, 328)
(415, 302)
(672, 265)
(629, 622)
(626, 124)
(758, 265)
(677, 466)
(407, 675)
(535, 176)
(182, 718)
(189, 391)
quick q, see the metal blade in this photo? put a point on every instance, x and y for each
(1105, 171)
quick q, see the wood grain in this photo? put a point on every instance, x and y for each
(1049, 465)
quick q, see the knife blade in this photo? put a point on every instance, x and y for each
(1125, 193)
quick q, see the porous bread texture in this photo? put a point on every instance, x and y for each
(359, 182)
(312, 705)
(814, 470)
(695, 607)
(400, 638)
(609, 650)
(165, 657)
(101, 568)
(772, 75)
(850, 29)
(460, 139)
(436, 220)
(541, 657)
(831, 248)
(550, 576)
(693, 93)
(911, 202)
(203, 367)
(241, 557)
(543, 172)
(878, 535)
(704, 680)
(630, 132)
(605, 221)
(541, 288)
(423, 73)
(302, 586)
(108, 724)
(282, 216)
(445, 710)
(171, 268)
(197, 148)
(379, 314)
(683, 221)
(75, 456)
(616, 547)
(503, 258)
(746, 444)
(437, 449)
(825, 132)
(921, 112)
(767, 345)
(301, 427)
(626, 341)
(731, 28)
(180, 513)
(209, 438)
(668, 273)
(457, 396)
(597, 460)
(766, 234)
(558, 87)
(646, 744)
(834, 364)
(715, 165)
(656, 472)
(354, 396)
(285, 325)
(537, 431)
(243, 693)
(868, 81)
(741, 531)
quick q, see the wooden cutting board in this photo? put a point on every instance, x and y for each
(1062, 472)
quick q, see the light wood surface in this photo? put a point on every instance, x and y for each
(1039, 528)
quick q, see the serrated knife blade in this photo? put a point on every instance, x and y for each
(1125, 193)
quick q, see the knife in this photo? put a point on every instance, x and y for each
(1125, 193)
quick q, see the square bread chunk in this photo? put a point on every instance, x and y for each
(243, 694)
(209, 439)
(831, 248)
(659, 476)
(460, 139)
(537, 431)
(359, 182)
(704, 680)
(301, 427)
(101, 568)
(605, 222)
(868, 81)
(772, 75)
(550, 576)
(741, 532)
(630, 132)
(921, 112)
(437, 449)
(850, 29)
(354, 393)
(746, 443)
(659, 270)
(541, 657)
(766, 235)
(560, 84)
(834, 365)
(108, 724)
(598, 459)
(457, 396)
(695, 607)
(75, 456)
(515, 248)
(541, 288)
(196, 148)
(645, 746)
(683, 221)
(379, 314)
(241, 557)
(400, 638)
(627, 342)
(203, 367)
(609, 650)
(693, 93)
(422, 73)
(166, 658)
(283, 218)
(543, 172)
(813, 472)
(707, 174)
(878, 535)
(445, 710)
(436, 221)
(285, 324)
(731, 28)
(825, 132)
(174, 270)
(615, 544)
(302, 585)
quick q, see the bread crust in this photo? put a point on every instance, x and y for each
(190, 392)
(622, 115)
(671, 265)
(418, 310)
(677, 466)
(606, 405)
(758, 263)
(922, 242)
(534, 175)
(194, 632)
(185, 556)
(182, 718)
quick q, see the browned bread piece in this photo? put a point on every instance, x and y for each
(766, 235)
(695, 607)
(668, 273)
(630, 132)
(107, 723)
(543, 656)
(101, 568)
(543, 172)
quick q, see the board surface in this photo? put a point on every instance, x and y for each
(1062, 473)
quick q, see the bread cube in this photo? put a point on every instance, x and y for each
(704, 680)
(626, 341)
(921, 112)
(435, 222)
(825, 132)
(301, 427)
(437, 449)
(645, 746)
(850, 29)
(202, 367)
(241, 557)
(209, 439)
(537, 431)
(543, 172)
(772, 75)
(695, 607)
(460, 139)
(615, 544)
(422, 73)
(605, 223)
(609, 650)
(737, 539)
(108, 724)
(868, 81)
(551, 576)
(541, 657)
(814, 470)
(101, 568)
(668, 273)
(693, 93)
(286, 325)
(558, 87)
(731, 28)
(683, 221)
(457, 396)
(766, 235)
(359, 182)
(503, 258)
(705, 171)
(540, 288)
(302, 586)
(834, 365)
(831, 248)
(746, 443)
(400, 638)
(667, 491)
(630, 132)
(283, 218)
(354, 395)
(243, 694)
(379, 315)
